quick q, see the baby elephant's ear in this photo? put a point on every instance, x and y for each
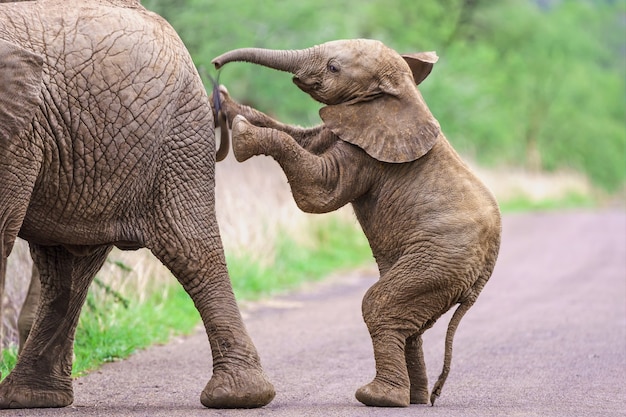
(421, 63)
(395, 127)
(388, 128)
(20, 88)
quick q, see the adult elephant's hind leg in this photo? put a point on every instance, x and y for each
(29, 308)
(192, 250)
(42, 375)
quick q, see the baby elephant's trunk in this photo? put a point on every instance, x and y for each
(289, 60)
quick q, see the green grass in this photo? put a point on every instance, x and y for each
(9, 357)
(108, 331)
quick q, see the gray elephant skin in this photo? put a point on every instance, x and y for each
(433, 227)
(107, 139)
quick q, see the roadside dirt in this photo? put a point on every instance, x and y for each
(546, 338)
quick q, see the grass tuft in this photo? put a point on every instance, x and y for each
(108, 329)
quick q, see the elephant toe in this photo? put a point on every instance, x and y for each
(238, 389)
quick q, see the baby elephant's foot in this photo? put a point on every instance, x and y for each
(379, 394)
(245, 143)
(238, 389)
(21, 396)
(419, 395)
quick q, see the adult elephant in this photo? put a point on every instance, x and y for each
(107, 139)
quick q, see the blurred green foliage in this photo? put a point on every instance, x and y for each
(333, 244)
(538, 84)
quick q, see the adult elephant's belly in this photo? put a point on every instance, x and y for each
(87, 216)
(92, 190)
(80, 235)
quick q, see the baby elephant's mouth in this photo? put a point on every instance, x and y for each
(311, 88)
(307, 87)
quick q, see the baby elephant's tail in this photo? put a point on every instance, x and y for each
(466, 303)
(447, 359)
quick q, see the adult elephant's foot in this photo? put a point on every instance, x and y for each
(14, 395)
(238, 389)
(380, 394)
(245, 144)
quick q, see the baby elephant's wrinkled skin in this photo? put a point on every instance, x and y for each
(433, 227)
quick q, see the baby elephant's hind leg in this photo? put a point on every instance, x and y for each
(391, 386)
(397, 309)
(417, 369)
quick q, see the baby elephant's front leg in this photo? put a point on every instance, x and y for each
(250, 140)
(314, 178)
(247, 140)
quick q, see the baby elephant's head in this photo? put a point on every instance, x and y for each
(369, 89)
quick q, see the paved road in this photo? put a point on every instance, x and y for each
(546, 338)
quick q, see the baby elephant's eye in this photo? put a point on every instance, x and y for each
(333, 68)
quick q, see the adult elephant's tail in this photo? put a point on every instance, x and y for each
(224, 147)
(221, 119)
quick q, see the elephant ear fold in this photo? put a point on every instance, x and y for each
(388, 128)
(20, 88)
(421, 64)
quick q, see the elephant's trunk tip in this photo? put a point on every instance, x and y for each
(217, 62)
(221, 60)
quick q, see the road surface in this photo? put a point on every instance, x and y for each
(547, 338)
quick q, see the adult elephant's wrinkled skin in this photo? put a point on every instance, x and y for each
(107, 139)
(433, 227)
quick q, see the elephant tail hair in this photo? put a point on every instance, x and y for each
(452, 326)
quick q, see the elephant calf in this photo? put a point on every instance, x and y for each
(433, 227)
